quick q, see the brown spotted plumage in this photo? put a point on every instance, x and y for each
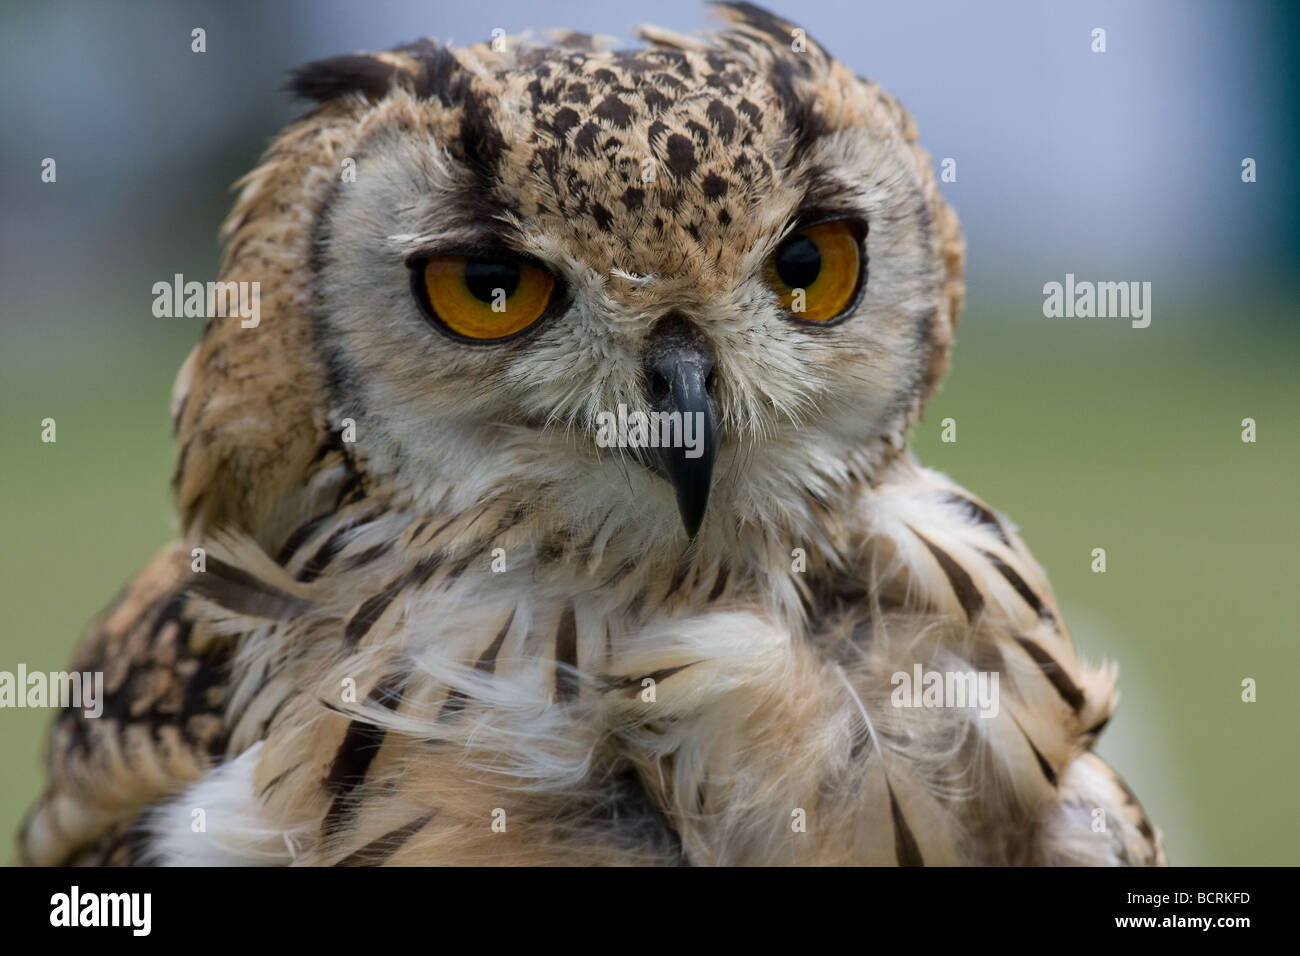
(438, 622)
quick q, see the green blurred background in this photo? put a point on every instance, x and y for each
(1086, 433)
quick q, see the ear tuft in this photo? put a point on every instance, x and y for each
(424, 68)
(766, 28)
(326, 80)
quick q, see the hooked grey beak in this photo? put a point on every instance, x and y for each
(679, 377)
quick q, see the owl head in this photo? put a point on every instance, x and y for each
(500, 262)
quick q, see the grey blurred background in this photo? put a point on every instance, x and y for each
(1117, 166)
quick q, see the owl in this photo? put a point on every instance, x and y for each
(559, 509)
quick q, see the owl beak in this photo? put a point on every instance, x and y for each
(688, 465)
(679, 370)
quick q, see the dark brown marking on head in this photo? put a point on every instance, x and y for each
(802, 125)
(654, 100)
(719, 81)
(585, 140)
(669, 81)
(681, 155)
(723, 118)
(441, 76)
(633, 198)
(564, 120)
(614, 110)
(542, 94)
(713, 186)
(602, 216)
(481, 143)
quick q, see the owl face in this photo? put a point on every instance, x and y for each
(730, 229)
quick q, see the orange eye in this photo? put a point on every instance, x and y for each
(818, 271)
(482, 297)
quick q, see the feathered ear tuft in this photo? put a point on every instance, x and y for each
(423, 68)
(765, 28)
(325, 80)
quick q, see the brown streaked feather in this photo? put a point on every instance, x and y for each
(165, 685)
(378, 851)
(905, 848)
(360, 745)
(566, 656)
(236, 590)
(968, 595)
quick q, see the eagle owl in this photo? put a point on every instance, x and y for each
(426, 608)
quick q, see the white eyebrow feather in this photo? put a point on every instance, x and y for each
(408, 239)
(634, 279)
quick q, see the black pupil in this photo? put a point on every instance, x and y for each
(484, 276)
(798, 262)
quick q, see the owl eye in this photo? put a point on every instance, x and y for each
(819, 271)
(482, 297)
